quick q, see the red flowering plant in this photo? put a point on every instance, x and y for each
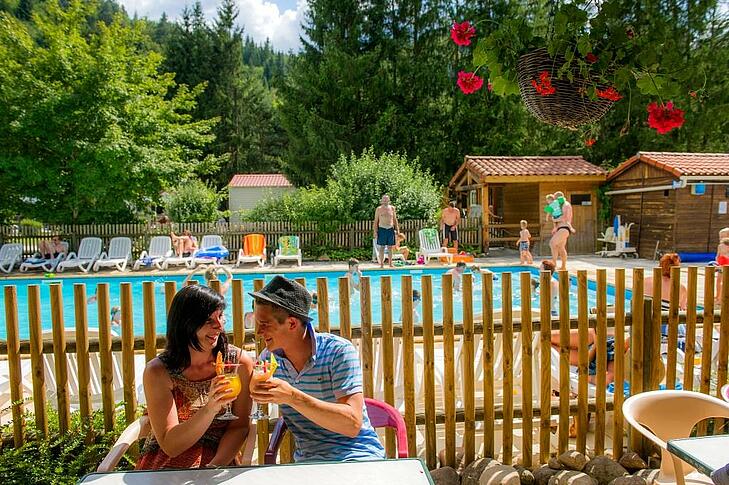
(592, 48)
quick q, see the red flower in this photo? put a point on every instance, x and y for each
(630, 33)
(469, 82)
(589, 142)
(591, 58)
(544, 86)
(462, 33)
(664, 118)
(610, 94)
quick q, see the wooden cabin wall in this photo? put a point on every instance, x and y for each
(520, 202)
(698, 220)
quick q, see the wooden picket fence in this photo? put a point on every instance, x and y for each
(312, 234)
(465, 383)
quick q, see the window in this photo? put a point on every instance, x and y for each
(581, 199)
(698, 189)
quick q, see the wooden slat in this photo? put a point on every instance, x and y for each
(449, 378)
(426, 284)
(16, 377)
(127, 330)
(545, 351)
(238, 313)
(636, 346)
(82, 352)
(690, 352)
(707, 340)
(170, 292)
(36, 359)
(467, 374)
(105, 356)
(150, 323)
(582, 330)
(388, 370)
(601, 361)
(564, 361)
(366, 344)
(526, 366)
(216, 286)
(620, 370)
(653, 329)
(59, 356)
(673, 328)
(408, 355)
(507, 353)
(345, 321)
(322, 292)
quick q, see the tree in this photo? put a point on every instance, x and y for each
(89, 129)
(192, 201)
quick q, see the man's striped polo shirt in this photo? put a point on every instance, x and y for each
(333, 371)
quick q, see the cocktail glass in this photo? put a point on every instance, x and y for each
(260, 374)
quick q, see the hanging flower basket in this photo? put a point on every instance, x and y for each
(568, 104)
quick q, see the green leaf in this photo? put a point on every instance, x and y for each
(560, 23)
(650, 86)
(583, 45)
(480, 54)
(503, 86)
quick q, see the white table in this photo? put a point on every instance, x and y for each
(705, 453)
(409, 471)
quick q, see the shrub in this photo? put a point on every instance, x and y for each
(353, 190)
(59, 458)
(192, 201)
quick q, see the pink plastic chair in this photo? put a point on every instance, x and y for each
(381, 415)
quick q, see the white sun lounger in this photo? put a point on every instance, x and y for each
(430, 246)
(160, 247)
(88, 252)
(208, 241)
(119, 255)
(396, 256)
(37, 262)
(10, 255)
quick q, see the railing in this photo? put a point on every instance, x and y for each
(462, 383)
(330, 235)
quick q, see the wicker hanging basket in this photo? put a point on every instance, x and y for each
(570, 106)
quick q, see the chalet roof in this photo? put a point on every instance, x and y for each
(259, 180)
(532, 166)
(679, 164)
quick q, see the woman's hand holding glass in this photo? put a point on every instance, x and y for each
(220, 395)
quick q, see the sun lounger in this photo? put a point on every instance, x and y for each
(211, 251)
(288, 249)
(430, 246)
(119, 255)
(396, 256)
(253, 250)
(10, 255)
(160, 247)
(88, 252)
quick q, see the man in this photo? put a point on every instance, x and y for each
(318, 384)
(449, 224)
(561, 232)
(385, 228)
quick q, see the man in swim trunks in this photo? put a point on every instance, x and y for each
(560, 233)
(449, 224)
(385, 228)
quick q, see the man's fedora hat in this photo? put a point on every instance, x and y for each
(287, 294)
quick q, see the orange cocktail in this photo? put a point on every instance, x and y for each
(234, 383)
(262, 371)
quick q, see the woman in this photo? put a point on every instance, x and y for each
(667, 261)
(210, 273)
(184, 395)
(185, 244)
(404, 250)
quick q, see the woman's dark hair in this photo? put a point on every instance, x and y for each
(190, 309)
(547, 265)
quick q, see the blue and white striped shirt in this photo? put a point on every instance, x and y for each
(333, 371)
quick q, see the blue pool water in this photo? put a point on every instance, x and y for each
(248, 278)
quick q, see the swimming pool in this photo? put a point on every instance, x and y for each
(248, 278)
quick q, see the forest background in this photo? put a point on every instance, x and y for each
(103, 115)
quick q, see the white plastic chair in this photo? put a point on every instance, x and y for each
(430, 246)
(208, 241)
(37, 262)
(160, 247)
(88, 252)
(10, 255)
(248, 254)
(661, 416)
(119, 255)
(293, 253)
(396, 256)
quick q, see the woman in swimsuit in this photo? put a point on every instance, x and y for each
(560, 233)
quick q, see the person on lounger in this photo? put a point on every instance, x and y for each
(184, 244)
(53, 248)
